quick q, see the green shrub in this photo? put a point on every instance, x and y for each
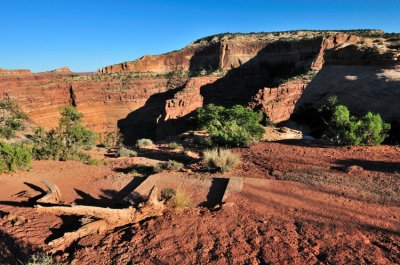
(221, 159)
(6, 132)
(344, 129)
(65, 142)
(144, 143)
(13, 156)
(125, 152)
(12, 119)
(373, 129)
(236, 126)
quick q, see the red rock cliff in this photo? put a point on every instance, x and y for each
(149, 96)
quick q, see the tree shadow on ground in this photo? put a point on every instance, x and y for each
(109, 198)
(307, 143)
(164, 155)
(315, 209)
(15, 251)
(142, 122)
(379, 166)
(216, 192)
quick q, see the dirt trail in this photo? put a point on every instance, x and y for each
(301, 206)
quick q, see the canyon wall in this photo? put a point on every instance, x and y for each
(103, 101)
(364, 77)
(229, 51)
(154, 95)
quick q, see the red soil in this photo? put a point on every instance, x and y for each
(302, 208)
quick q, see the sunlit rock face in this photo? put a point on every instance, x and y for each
(269, 72)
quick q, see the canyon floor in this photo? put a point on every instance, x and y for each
(302, 203)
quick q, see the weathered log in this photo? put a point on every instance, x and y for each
(90, 211)
(53, 194)
(95, 227)
(106, 218)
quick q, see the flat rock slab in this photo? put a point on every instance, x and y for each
(204, 191)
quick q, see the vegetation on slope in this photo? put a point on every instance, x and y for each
(11, 119)
(335, 124)
(67, 141)
(235, 126)
(14, 156)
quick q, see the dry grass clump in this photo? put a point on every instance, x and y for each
(144, 143)
(221, 159)
(182, 199)
(178, 198)
(125, 152)
(174, 145)
(171, 165)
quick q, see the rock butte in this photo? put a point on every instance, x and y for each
(271, 72)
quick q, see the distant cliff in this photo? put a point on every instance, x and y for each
(268, 72)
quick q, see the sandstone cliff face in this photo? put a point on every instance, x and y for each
(277, 103)
(233, 50)
(361, 88)
(4, 72)
(188, 99)
(365, 77)
(152, 96)
(103, 101)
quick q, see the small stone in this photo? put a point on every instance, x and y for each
(354, 169)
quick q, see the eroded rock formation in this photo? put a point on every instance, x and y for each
(154, 94)
(278, 103)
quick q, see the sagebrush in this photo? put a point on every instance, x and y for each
(125, 152)
(182, 199)
(171, 165)
(221, 159)
(144, 143)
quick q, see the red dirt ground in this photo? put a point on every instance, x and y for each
(301, 204)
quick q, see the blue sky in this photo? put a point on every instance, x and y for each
(88, 34)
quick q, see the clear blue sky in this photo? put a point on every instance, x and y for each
(87, 34)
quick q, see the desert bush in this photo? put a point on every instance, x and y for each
(344, 129)
(144, 143)
(11, 119)
(170, 165)
(13, 156)
(235, 126)
(65, 142)
(182, 199)
(125, 152)
(157, 168)
(6, 132)
(173, 165)
(221, 159)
